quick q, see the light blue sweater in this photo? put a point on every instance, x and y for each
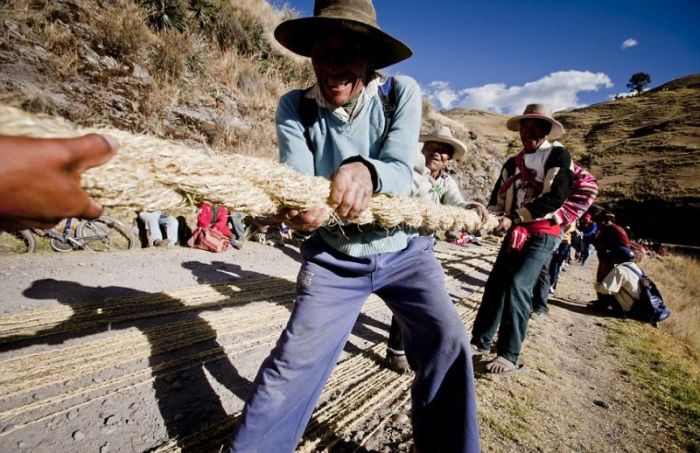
(335, 141)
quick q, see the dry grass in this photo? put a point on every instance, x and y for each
(121, 29)
(678, 278)
(225, 60)
(666, 375)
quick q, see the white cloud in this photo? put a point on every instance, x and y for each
(629, 42)
(559, 90)
(622, 95)
(440, 94)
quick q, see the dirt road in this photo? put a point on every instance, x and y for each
(155, 350)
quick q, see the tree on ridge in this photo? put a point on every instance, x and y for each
(639, 81)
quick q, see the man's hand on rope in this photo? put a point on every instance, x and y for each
(479, 208)
(351, 190)
(306, 221)
(504, 224)
(40, 179)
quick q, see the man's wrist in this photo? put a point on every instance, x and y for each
(370, 168)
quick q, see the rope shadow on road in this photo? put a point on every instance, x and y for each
(185, 398)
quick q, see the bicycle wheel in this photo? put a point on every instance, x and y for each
(58, 236)
(105, 233)
(60, 245)
(17, 242)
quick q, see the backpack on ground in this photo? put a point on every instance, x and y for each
(650, 307)
(208, 234)
(308, 110)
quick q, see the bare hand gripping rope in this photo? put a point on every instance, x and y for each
(151, 173)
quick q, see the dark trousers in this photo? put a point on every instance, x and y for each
(558, 259)
(540, 295)
(505, 305)
(585, 249)
(395, 343)
(331, 288)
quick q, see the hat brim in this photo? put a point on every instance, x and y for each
(299, 36)
(460, 149)
(557, 131)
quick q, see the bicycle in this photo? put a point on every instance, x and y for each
(12, 242)
(103, 233)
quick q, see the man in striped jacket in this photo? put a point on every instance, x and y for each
(532, 187)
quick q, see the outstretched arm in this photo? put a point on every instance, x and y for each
(40, 179)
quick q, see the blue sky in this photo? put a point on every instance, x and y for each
(499, 55)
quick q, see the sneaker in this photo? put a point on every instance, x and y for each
(236, 244)
(161, 243)
(397, 362)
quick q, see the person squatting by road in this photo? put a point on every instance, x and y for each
(433, 183)
(340, 269)
(531, 188)
(40, 179)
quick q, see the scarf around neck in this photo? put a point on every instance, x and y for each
(349, 113)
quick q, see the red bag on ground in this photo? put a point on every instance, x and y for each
(209, 239)
(211, 233)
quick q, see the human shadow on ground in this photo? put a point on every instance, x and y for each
(576, 307)
(291, 252)
(459, 274)
(221, 272)
(182, 346)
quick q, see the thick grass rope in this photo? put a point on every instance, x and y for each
(149, 173)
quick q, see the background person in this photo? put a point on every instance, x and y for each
(154, 221)
(589, 231)
(620, 288)
(432, 182)
(531, 188)
(610, 238)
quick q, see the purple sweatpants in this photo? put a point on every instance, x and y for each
(331, 288)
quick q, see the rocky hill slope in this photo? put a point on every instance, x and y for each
(206, 72)
(644, 150)
(209, 73)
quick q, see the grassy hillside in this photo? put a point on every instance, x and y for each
(208, 72)
(203, 71)
(644, 150)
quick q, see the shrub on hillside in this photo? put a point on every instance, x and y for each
(121, 30)
(178, 55)
(165, 14)
(168, 57)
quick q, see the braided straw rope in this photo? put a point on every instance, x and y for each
(149, 173)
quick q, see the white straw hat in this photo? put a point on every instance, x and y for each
(443, 135)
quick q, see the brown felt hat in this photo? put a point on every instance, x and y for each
(357, 18)
(537, 111)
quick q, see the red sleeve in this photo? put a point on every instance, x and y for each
(622, 236)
